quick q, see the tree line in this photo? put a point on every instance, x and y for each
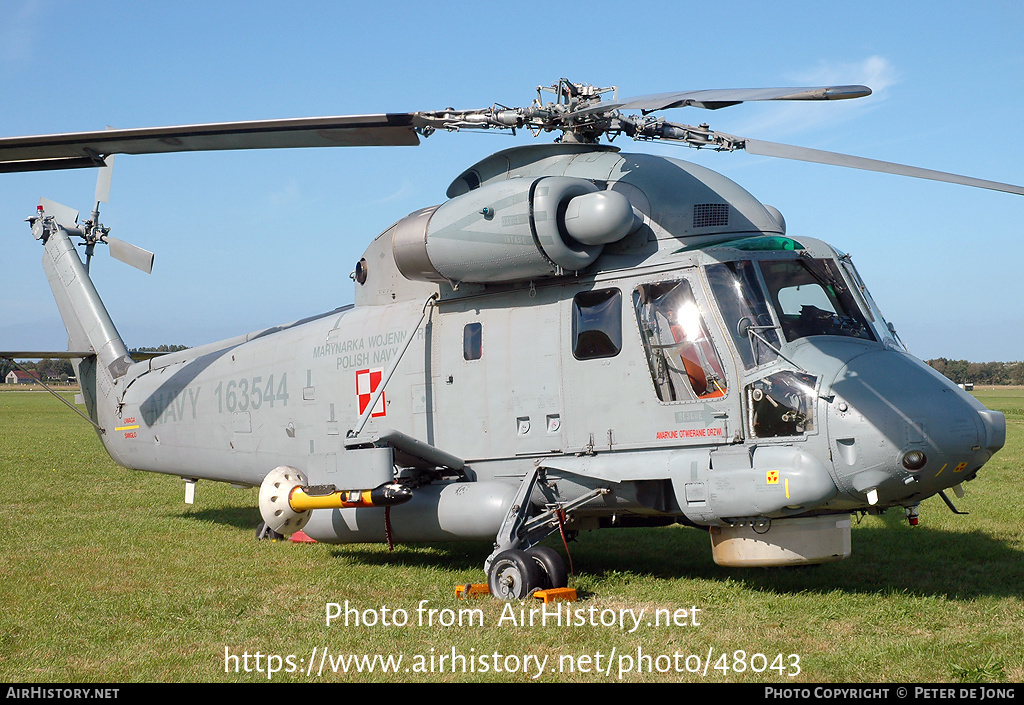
(60, 368)
(964, 372)
(47, 369)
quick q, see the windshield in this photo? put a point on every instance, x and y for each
(811, 298)
(808, 297)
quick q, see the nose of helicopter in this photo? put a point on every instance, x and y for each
(900, 432)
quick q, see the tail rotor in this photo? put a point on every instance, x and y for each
(92, 231)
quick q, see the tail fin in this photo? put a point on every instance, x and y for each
(85, 317)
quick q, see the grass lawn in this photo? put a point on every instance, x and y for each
(107, 576)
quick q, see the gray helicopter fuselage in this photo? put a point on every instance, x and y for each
(705, 367)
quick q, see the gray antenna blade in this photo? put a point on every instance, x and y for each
(785, 151)
(130, 254)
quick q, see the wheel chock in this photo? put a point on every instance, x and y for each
(464, 592)
(555, 594)
(300, 537)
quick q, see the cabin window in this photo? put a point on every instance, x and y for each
(683, 361)
(472, 337)
(597, 324)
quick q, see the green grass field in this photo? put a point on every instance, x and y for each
(107, 576)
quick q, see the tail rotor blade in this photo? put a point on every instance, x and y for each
(103, 180)
(130, 254)
(65, 216)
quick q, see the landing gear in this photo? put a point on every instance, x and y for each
(264, 532)
(552, 566)
(513, 575)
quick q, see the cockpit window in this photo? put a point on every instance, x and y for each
(683, 361)
(741, 299)
(811, 298)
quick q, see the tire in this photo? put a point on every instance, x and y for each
(514, 575)
(265, 532)
(552, 566)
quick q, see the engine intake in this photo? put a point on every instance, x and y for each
(513, 230)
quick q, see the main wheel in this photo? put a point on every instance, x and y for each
(514, 575)
(551, 565)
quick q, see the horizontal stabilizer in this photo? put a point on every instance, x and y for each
(41, 355)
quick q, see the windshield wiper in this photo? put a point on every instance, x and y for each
(746, 329)
(820, 270)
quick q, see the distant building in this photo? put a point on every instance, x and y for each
(19, 377)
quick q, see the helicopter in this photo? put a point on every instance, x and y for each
(577, 338)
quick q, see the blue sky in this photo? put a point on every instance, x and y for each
(245, 240)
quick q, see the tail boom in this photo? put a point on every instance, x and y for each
(87, 322)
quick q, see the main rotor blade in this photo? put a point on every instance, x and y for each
(713, 99)
(785, 151)
(80, 149)
(130, 254)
